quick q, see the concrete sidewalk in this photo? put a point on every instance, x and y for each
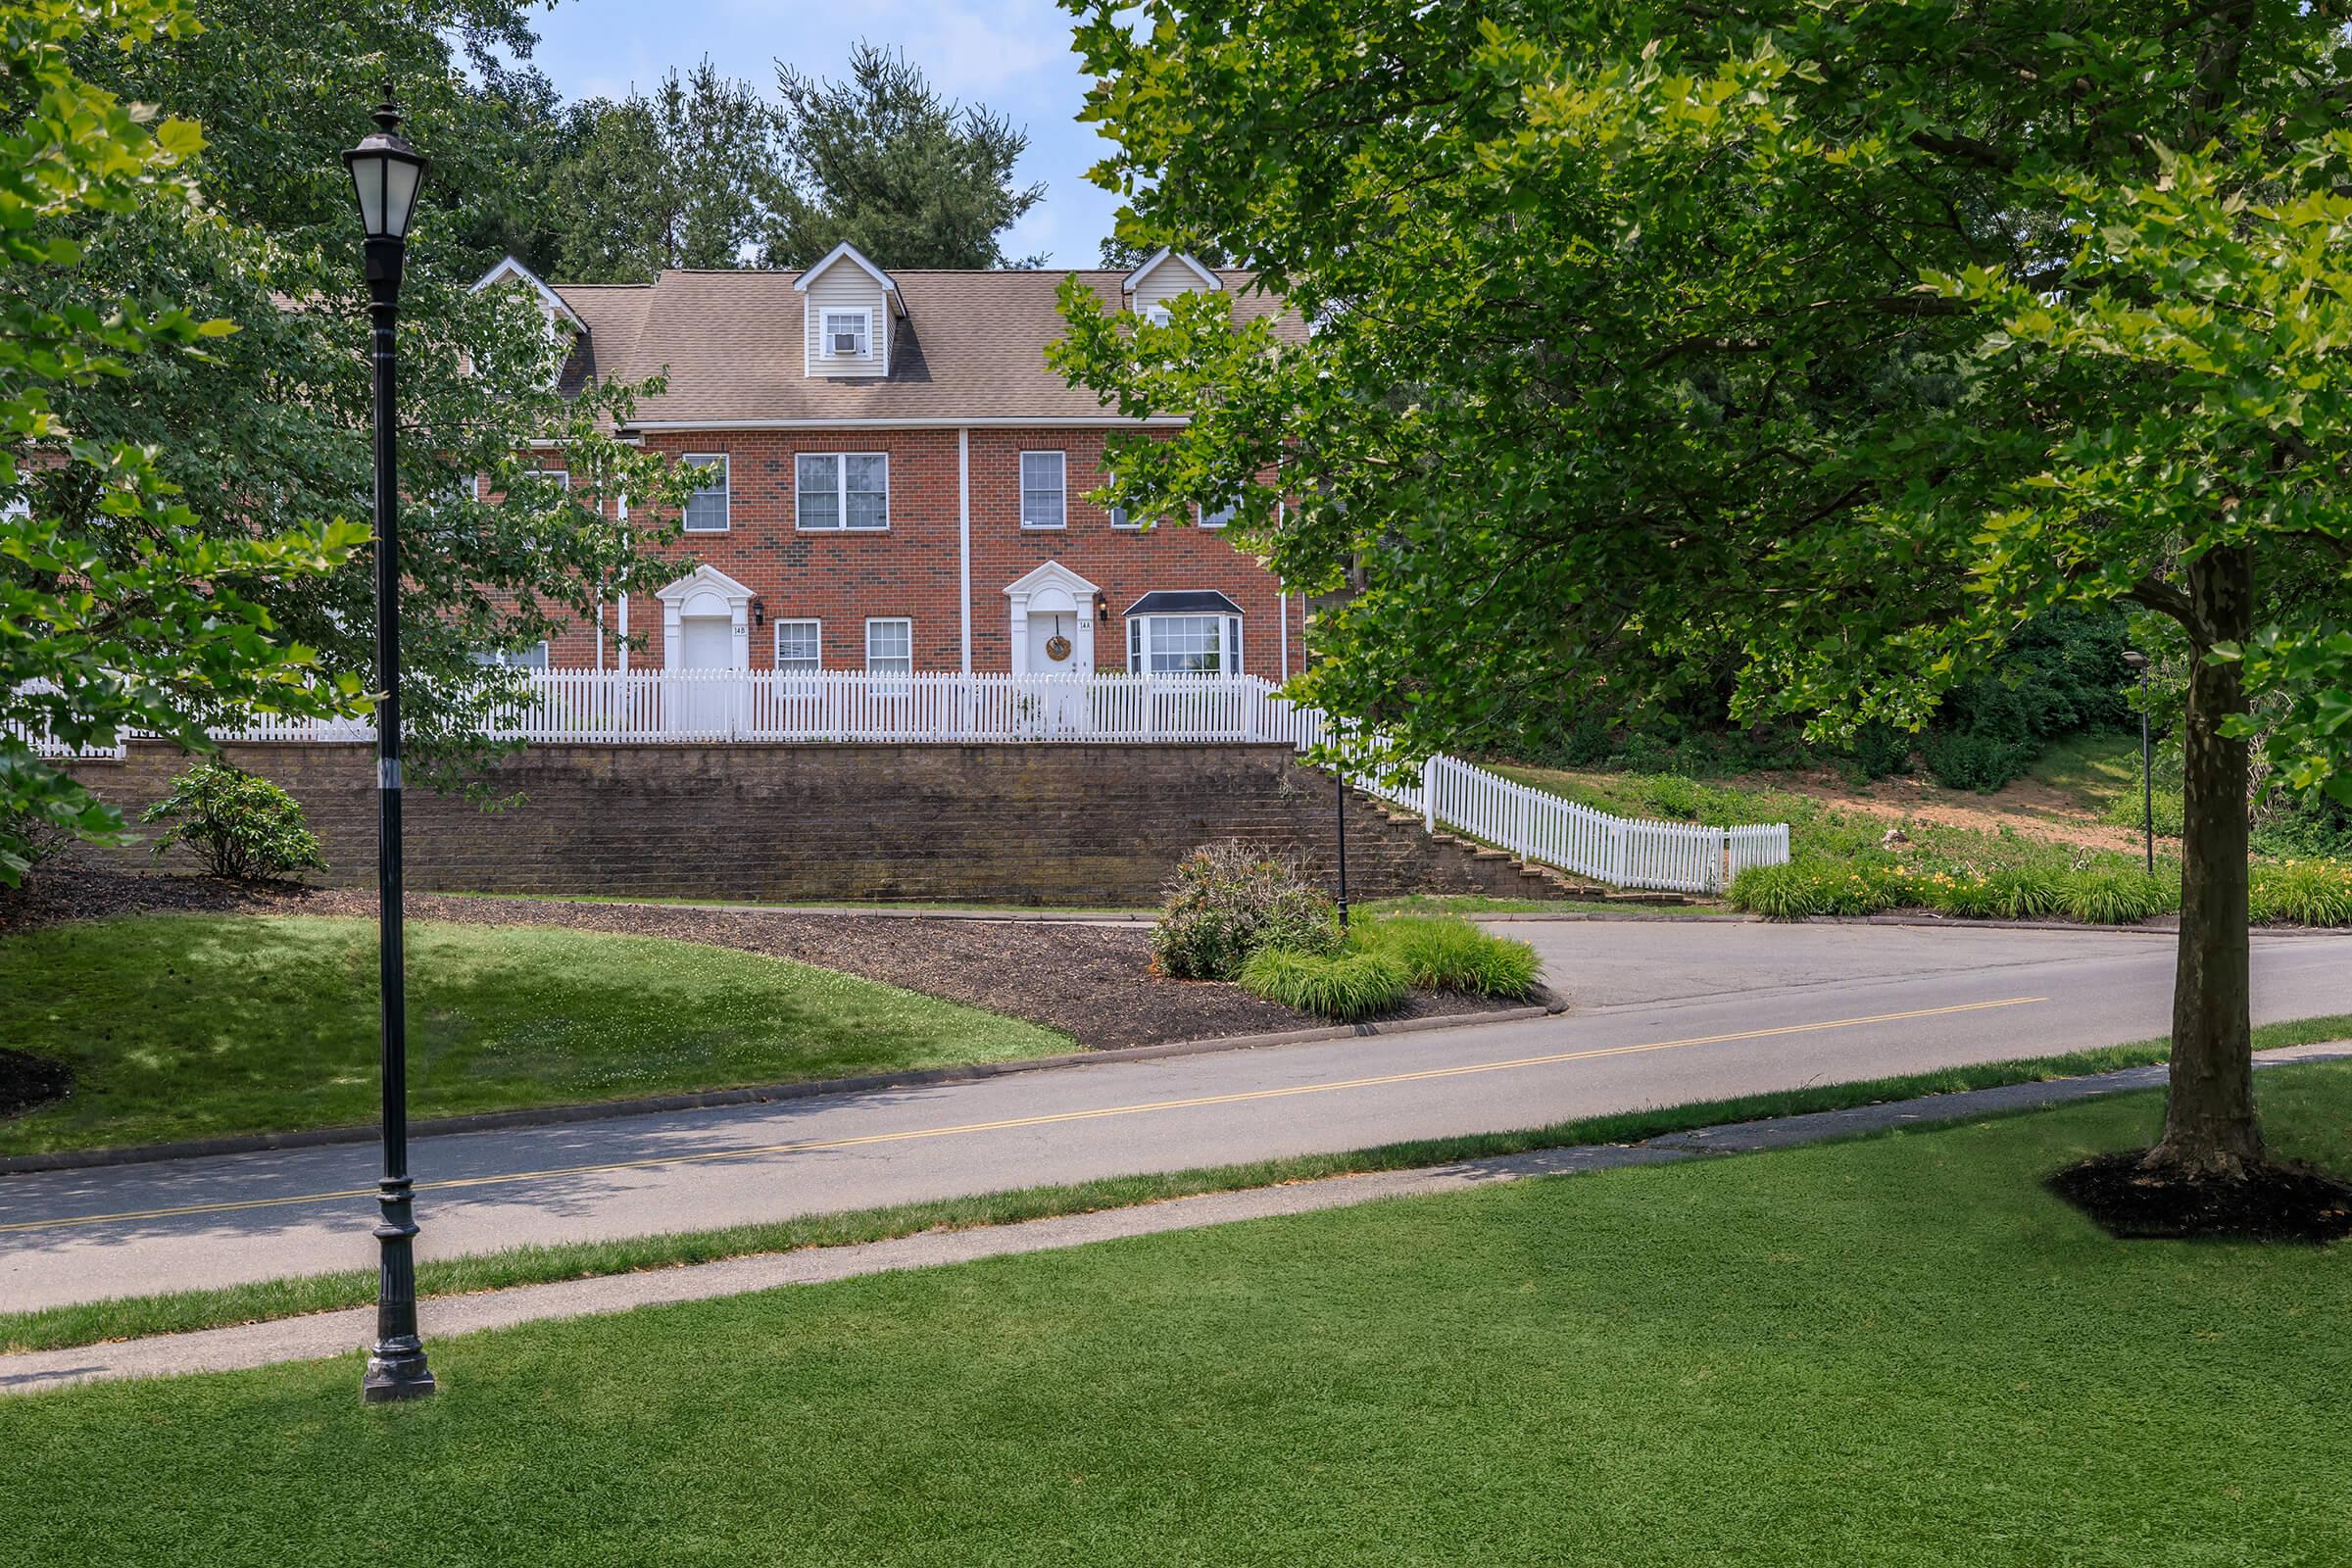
(330, 1334)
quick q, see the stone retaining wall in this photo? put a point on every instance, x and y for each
(1047, 824)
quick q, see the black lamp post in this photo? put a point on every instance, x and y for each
(2137, 662)
(1340, 800)
(387, 173)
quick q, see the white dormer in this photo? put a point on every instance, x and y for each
(1166, 274)
(848, 305)
(563, 325)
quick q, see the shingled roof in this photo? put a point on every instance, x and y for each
(970, 347)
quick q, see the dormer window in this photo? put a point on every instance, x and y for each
(848, 334)
(1158, 315)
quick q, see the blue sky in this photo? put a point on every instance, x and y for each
(1012, 55)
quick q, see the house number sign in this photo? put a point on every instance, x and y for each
(1058, 648)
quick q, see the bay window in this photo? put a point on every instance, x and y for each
(1183, 643)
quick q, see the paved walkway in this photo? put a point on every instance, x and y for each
(330, 1334)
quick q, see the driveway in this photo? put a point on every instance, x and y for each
(1668, 1012)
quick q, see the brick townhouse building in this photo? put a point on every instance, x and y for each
(893, 480)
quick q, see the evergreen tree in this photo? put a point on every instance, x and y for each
(682, 179)
(882, 161)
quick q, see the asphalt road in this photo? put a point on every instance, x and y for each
(1665, 1012)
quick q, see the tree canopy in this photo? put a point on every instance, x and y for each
(1849, 337)
(881, 161)
(684, 177)
(120, 613)
(270, 429)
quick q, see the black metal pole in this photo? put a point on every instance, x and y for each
(2147, 780)
(1339, 787)
(396, 1364)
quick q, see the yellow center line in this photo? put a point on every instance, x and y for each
(813, 1144)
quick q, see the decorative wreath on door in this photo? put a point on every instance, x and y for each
(1058, 648)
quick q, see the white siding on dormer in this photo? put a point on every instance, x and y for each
(844, 288)
(1161, 285)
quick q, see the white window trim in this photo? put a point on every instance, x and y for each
(871, 622)
(1200, 516)
(562, 477)
(726, 491)
(824, 333)
(1123, 519)
(841, 494)
(1021, 477)
(776, 652)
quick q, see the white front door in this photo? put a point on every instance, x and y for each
(1054, 646)
(705, 650)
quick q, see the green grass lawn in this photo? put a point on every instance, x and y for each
(2097, 769)
(189, 1026)
(1894, 1350)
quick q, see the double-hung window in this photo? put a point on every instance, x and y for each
(849, 335)
(707, 505)
(800, 646)
(1184, 644)
(1044, 497)
(841, 490)
(889, 652)
(531, 657)
(1218, 516)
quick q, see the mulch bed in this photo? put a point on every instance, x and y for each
(1092, 981)
(2275, 1204)
(27, 1081)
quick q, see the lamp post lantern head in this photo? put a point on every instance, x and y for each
(387, 173)
(2135, 660)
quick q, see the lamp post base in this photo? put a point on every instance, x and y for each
(397, 1372)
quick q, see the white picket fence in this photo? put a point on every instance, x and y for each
(1625, 852)
(647, 706)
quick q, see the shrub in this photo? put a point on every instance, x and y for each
(1878, 749)
(1446, 953)
(1344, 986)
(2301, 893)
(1228, 900)
(2114, 898)
(1970, 760)
(240, 825)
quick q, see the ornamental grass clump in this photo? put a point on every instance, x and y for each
(1344, 986)
(1798, 890)
(1446, 953)
(2022, 895)
(2114, 897)
(1776, 892)
(2301, 893)
(240, 825)
(1229, 899)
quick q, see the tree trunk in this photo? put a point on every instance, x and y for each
(2209, 1125)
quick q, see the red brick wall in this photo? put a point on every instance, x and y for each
(842, 577)
(1015, 824)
